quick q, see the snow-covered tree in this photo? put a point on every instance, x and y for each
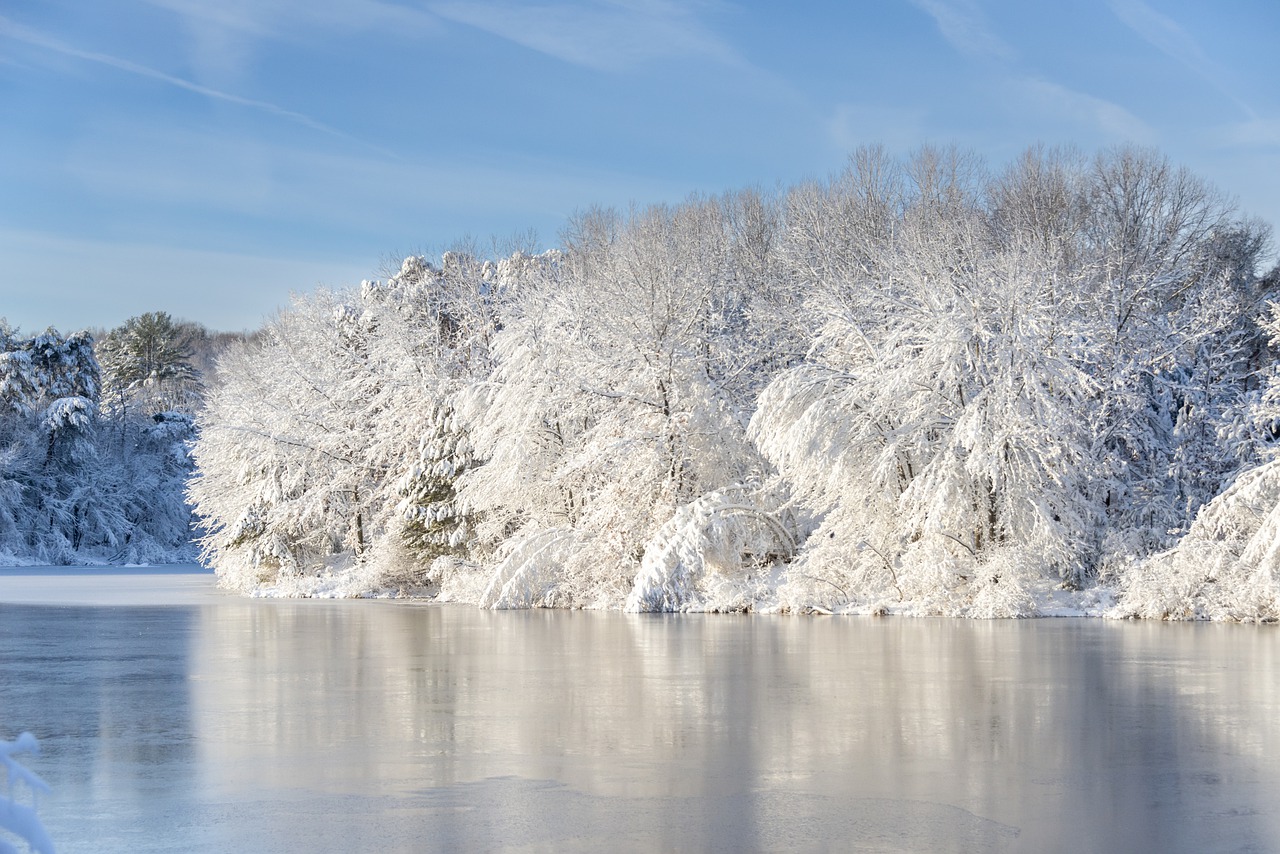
(51, 498)
(71, 490)
(147, 365)
(151, 482)
(436, 326)
(918, 385)
(332, 435)
(1009, 373)
(937, 427)
(1167, 345)
(19, 384)
(618, 394)
(284, 483)
(1227, 566)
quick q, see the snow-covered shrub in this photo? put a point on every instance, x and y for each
(695, 558)
(528, 576)
(1227, 566)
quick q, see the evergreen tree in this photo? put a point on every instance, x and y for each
(147, 365)
(72, 490)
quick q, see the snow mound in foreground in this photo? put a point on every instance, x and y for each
(20, 819)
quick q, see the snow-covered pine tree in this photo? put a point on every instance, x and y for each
(147, 365)
(435, 329)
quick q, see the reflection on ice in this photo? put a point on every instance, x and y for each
(321, 725)
(749, 732)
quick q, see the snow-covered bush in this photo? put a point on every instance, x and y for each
(1226, 567)
(529, 574)
(700, 559)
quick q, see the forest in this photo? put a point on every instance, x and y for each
(923, 385)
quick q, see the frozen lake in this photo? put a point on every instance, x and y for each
(218, 724)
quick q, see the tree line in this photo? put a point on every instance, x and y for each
(919, 385)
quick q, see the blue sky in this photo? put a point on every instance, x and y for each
(208, 158)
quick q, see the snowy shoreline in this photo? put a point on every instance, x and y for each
(192, 584)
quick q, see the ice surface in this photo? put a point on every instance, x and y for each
(108, 585)
(282, 726)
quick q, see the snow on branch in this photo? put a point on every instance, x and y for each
(675, 559)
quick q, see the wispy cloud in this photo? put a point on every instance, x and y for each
(219, 174)
(963, 25)
(284, 19)
(1166, 35)
(1108, 117)
(17, 32)
(225, 35)
(607, 35)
